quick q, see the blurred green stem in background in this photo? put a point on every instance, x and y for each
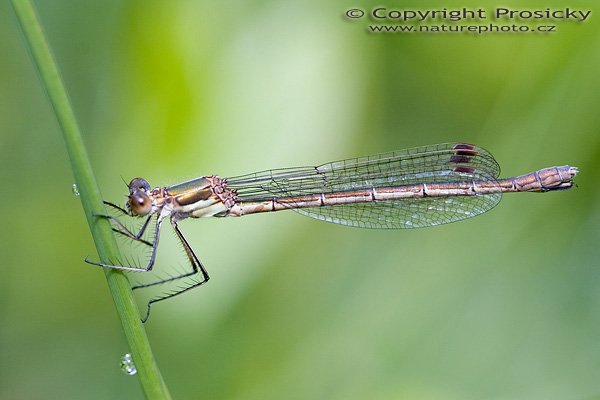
(148, 372)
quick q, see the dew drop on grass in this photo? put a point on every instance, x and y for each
(75, 190)
(127, 365)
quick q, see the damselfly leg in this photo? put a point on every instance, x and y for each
(129, 234)
(122, 228)
(196, 265)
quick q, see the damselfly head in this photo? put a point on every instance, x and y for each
(139, 202)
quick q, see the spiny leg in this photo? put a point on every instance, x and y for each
(194, 261)
(196, 266)
(123, 229)
(152, 254)
(126, 232)
(116, 207)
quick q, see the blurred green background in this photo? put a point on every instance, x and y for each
(503, 306)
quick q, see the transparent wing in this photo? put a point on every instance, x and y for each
(408, 213)
(441, 163)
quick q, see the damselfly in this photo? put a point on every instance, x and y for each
(412, 188)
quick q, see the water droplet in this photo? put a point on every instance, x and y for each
(127, 365)
(75, 190)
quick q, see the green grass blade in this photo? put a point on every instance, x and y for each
(148, 372)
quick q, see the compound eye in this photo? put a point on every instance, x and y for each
(139, 203)
(138, 184)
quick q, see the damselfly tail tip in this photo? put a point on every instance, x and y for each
(573, 171)
(567, 173)
(557, 178)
